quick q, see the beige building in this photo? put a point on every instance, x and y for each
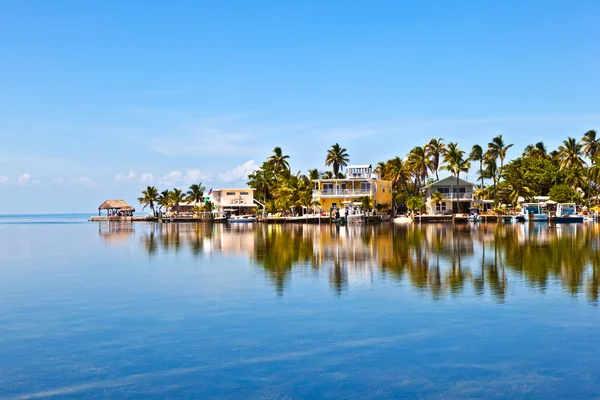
(236, 201)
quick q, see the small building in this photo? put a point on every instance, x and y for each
(116, 208)
(235, 201)
(360, 182)
(458, 196)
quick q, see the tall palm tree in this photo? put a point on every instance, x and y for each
(456, 163)
(591, 144)
(164, 199)
(177, 196)
(576, 177)
(278, 161)
(570, 154)
(490, 170)
(477, 155)
(336, 157)
(435, 149)
(498, 149)
(327, 175)
(419, 164)
(381, 169)
(149, 197)
(196, 194)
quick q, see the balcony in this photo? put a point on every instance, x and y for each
(341, 193)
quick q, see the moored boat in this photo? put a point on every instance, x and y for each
(241, 219)
(567, 212)
(533, 212)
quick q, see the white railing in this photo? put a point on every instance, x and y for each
(341, 192)
(458, 196)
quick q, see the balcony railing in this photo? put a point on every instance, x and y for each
(341, 192)
(458, 196)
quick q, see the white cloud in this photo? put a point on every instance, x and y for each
(125, 177)
(207, 142)
(171, 178)
(147, 177)
(24, 179)
(240, 172)
(195, 175)
(4, 180)
(83, 180)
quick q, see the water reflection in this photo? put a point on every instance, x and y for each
(437, 260)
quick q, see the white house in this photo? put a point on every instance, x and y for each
(458, 196)
(236, 201)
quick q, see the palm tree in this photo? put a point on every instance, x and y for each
(398, 171)
(313, 174)
(576, 178)
(437, 197)
(490, 170)
(414, 203)
(336, 157)
(177, 196)
(419, 164)
(591, 144)
(196, 194)
(535, 151)
(149, 197)
(327, 175)
(456, 163)
(434, 150)
(164, 199)
(498, 149)
(517, 181)
(570, 154)
(278, 161)
(478, 155)
(381, 169)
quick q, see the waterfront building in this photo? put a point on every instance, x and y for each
(458, 196)
(235, 201)
(360, 182)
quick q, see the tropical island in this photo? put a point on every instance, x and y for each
(570, 173)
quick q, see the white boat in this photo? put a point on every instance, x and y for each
(567, 212)
(533, 212)
(403, 220)
(241, 219)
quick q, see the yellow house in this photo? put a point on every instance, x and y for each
(360, 181)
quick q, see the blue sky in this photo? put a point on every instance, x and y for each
(99, 99)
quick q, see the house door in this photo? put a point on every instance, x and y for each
(337, 188)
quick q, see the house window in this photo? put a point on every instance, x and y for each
(328, 186)
(343, 186)
(230, 193)
(365, 186)
(440, 207)
(244, 193)
(444, 190)
(460, 190)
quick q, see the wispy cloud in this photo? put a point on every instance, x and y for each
(240, 172)
(4, 180)
(207, 142)
(24, 179)
(84, 180)
(125, 177)
(171, 178)
(195, 175)
(147, 177)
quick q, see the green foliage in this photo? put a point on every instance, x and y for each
(540, 174)
(415, 203)
(564, 194)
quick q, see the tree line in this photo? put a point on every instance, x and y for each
(170, 199)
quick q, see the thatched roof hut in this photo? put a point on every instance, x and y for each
(116, 205)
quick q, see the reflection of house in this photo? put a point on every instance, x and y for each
(457, 196)
(236, 201)
(360, 182)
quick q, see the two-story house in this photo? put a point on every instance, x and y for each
(458, 196)
(360, 181)
(236, 201)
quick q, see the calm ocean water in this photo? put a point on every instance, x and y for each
(119, 311)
